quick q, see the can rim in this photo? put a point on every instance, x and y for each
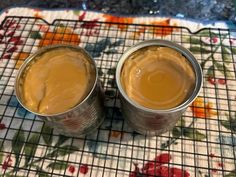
(29, 59)
(159, 42)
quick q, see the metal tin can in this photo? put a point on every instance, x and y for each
(84, 117)
(151, 121)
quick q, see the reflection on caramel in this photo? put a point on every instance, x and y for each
(57, 81)
(157, 77)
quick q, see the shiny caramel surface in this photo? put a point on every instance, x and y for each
(157, 77)
(57, 81)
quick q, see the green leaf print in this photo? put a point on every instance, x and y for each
(35, 35)
(47, 134)
(210, 71)
(42, 173)
(103, 46)
(17, 145)
(117, 43)
(176, 132)
(223, 69)
(58, 165)
(61, 140)
(181, 123)
(110, 51)
(199, 50)
(193, 134)
(193, 40)
(62, 151)
(31, 147)
(226, 55)
(230, 124)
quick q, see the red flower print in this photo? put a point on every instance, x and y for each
(222, 81)
(214, 170)
(5, 165)
(212, 155)
(214, 81)
(12, 49)
(136, 172)
(211, 80)
(220, 164)
(163, 158)
(156, 168)
(81, 17)
(83, 169)
(8, 37)
(15, 40)
(159, 160)
(7, 56)
(7, 162)
(214, 40)
(71, 169)
(2, 126)
(90, 27)
(10, 34)
(10, 24)
(165, 171)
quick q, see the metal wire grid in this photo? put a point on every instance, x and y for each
(106, 156)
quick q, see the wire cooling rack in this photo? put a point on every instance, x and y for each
(202, 143)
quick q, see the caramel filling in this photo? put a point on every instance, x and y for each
(157, 77)
(57, 81)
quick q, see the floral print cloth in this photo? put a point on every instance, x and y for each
(201, 144)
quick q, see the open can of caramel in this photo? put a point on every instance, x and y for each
(157, 81)
(60, 84)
